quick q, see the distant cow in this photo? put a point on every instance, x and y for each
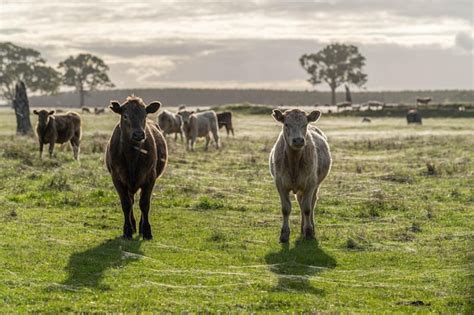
(54, 129)
(170, 123)
(85, 110)
(413, 117)
(344, 106)
(375, 105)
(225, 119)
(199, 125)
(423, 100)
(366, 119)
(99, 111)
(299, 161)
(136, 156)
(181, 107)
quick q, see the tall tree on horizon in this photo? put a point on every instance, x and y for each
(85, 72)
(335, 64)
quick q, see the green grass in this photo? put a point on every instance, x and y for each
(390, 237)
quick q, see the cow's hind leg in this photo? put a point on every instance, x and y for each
(215, 133)
(285, 210)
(51, 148)
(313, 207)
(75, 142)
(208, 138)
(145, 228)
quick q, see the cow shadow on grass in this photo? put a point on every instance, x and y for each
(87, 268)
(294, 266)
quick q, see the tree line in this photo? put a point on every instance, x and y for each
(84, 72)
(214, 97)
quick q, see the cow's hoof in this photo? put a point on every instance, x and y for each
(309, 233)
(127, 237)
(284, 236)
(147, 236)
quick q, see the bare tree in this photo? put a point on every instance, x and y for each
(22, 110)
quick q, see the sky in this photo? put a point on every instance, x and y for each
(408, 45)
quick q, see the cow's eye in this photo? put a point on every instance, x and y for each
(125, 116)
(286, 125)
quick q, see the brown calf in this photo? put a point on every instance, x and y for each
(85, 110)
(136, 156)
(225, 119)
(54, 129)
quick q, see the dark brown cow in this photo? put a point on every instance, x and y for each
(136, 157)
(225, 119)
(423, 100)
(85, 110)
(54, 129)
(413, 117)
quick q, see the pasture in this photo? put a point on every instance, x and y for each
(391, 237)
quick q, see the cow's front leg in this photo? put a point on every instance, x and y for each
(41, 149)
(127, 204)
(285, 210)
(305, 200)
(193, 141)
(145, 228)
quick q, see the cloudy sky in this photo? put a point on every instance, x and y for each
(416, 44)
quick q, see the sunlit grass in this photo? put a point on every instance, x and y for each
(390, 237)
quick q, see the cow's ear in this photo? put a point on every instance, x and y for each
(153, 107)
(313, 116)
(192, 112)
(51, 112)
(115, 107)
(35, 112)
(278, 115)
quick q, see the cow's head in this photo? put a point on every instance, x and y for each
(44, 116)
(185, 115)
(133, 117)
(295, 125)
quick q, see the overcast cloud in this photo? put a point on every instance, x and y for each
(408, 44)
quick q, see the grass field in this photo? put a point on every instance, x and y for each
(390, 237)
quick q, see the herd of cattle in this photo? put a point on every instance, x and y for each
(137, 153)
(374, 105)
